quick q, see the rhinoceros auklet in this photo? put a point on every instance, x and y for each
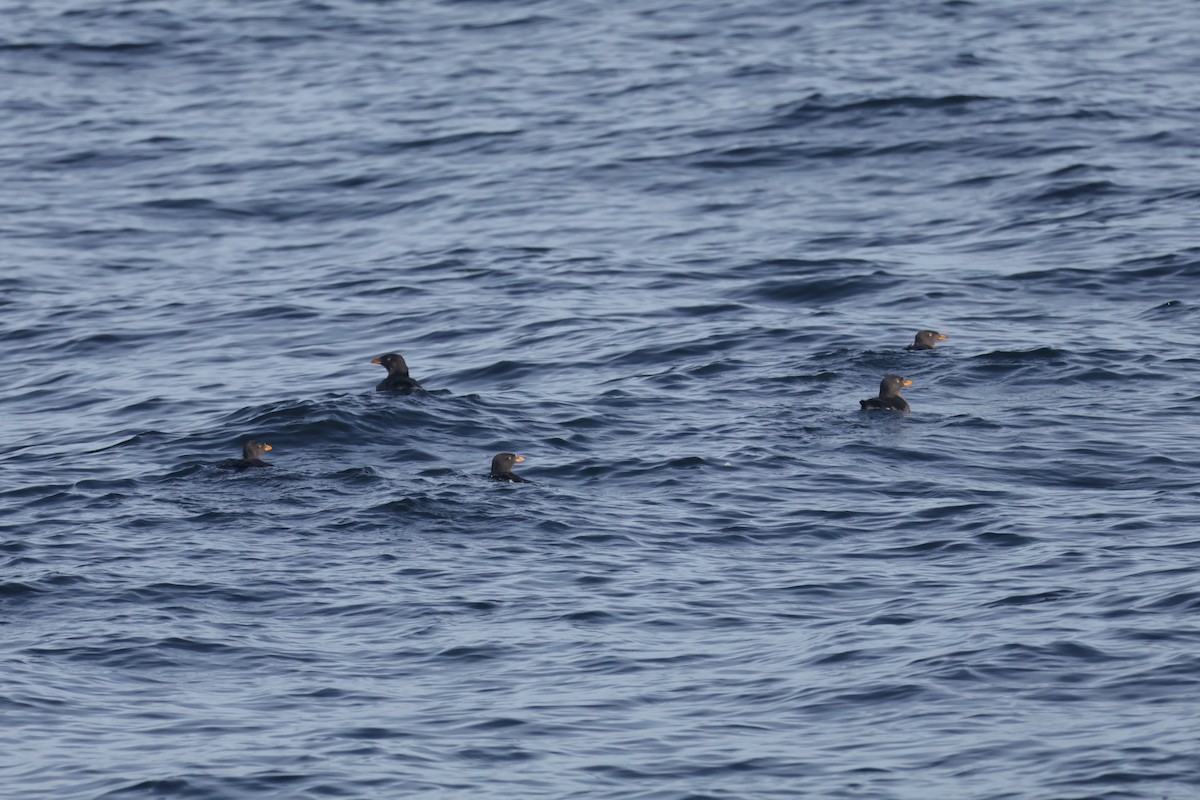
(397, 379)
(252, 453)
(502, 466)
(927, 340)
(889, 398)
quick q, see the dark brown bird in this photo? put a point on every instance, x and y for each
(889, 398)
(252, 456)
(397, 379)
(927, 340)
(502, 466)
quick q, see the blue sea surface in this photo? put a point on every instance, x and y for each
(661, 250)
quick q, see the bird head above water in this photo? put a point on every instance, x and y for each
(393, 363)
(502, 465)
(927, 340)
(253, 451)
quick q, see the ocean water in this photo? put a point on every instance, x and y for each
(661, 250)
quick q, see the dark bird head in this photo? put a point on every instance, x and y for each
(927, 340)
(891, 385)
(252, 450)
(503, 463)
(393, 363)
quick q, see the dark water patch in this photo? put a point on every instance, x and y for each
(1030, 366)
(1005, 539)
(471, 655)
(1178, 600)
(774, 156)
(821, 291)
(1072, 191)
(1040, 597)
(926, 549)
(99, 343)
(172, 593)
(15, 590)
(169, 787)
(818, 108)
(136, 652)
(373, 734)
(806, 268)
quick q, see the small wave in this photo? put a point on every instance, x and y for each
(819, 107)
